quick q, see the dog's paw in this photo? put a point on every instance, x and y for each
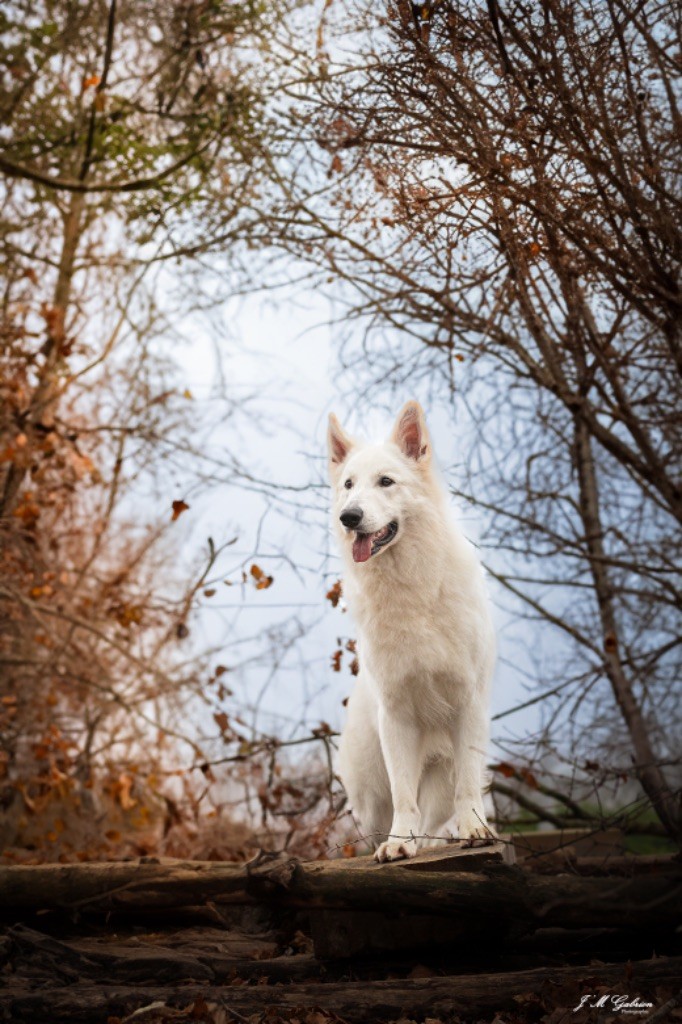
(395, 849)
(475, 831)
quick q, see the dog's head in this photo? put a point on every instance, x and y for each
(378, 489)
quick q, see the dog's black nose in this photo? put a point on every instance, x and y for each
(351, 518)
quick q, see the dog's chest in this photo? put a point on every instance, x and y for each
(418, 657)
(423, 625)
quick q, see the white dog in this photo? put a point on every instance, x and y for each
(412, 752)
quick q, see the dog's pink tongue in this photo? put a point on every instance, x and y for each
(362, 547)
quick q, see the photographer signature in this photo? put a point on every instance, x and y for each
(609, 1001)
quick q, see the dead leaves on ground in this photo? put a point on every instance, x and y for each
(203, 1012)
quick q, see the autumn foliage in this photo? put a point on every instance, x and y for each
(129, 148)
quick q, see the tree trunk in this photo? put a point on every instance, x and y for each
(41, 406)
(645, 762)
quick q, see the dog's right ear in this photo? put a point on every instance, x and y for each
(410, 433)
(339, 443)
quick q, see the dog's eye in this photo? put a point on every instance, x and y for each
(385, 481)
(348, 484)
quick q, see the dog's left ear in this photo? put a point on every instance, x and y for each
(338, 441)
(410, 433)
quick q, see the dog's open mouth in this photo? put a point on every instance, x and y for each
(367, 544)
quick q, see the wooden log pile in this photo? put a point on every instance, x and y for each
(102, 942)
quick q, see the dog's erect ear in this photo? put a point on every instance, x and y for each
(410, 433)
(339, 442)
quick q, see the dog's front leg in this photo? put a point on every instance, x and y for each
(401, 747)
(469, 748)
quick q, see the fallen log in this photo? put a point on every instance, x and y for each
(150, 955)
(218, 959)
(354, 1001)
(629, 864)
(496, 892)
(154, 883)
(149, 883)
(499, 892)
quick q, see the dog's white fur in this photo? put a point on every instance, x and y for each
(412, 753)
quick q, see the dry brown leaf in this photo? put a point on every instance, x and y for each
(178, 508)
(221, 720)
(129, 614)
(528, 777)
(122, 791)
